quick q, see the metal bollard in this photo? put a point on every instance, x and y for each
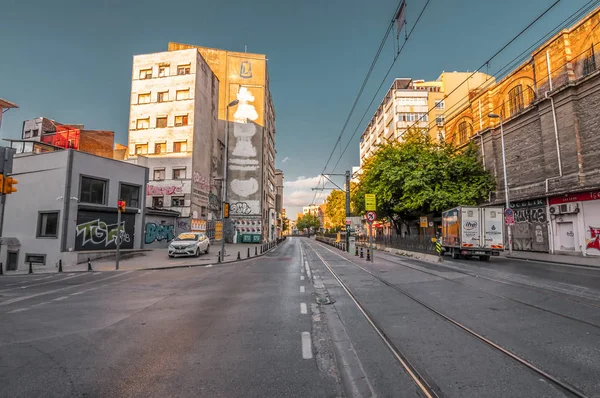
(255, 251)
(368, 255)
(30, 268)
(356, 253)
(248, 252)
(361, 253)
(219, 257)
(239, 257)
(1, 269)
(60, 266)
(89, 265)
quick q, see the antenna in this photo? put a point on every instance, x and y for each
(245, 48)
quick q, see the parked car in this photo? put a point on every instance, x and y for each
(189, 244)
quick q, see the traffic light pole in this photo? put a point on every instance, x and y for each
(118, 238)
(347, 211)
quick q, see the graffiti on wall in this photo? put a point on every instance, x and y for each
(240, 208)
(153, 190)
(531, 215)
(98, 232)
(183, 224)
(594, 242)
(213, 202)
(158, 233)
(530, 232)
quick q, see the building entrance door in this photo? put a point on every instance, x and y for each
(566, 236)
(12, 260)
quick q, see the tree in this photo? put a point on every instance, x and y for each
(285, 224)
(308, 221)
(419, 176)
(335, 208)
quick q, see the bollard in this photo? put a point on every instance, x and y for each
(356, 252)
(368, 255)
(255, 251)
(30, 268)
(89, 265)
(1, 269)
(261, 249)
(248, 252)
(219, 257)
(361, 253)
(60, 266)
(239, 257)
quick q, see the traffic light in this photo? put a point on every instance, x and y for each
(8, 185)
(226, 210)
(1, 183)
(121, 206)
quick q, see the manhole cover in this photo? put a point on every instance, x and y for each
(325, 300)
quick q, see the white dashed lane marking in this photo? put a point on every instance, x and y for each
(306, 346)
(301, 289)
(303, 308)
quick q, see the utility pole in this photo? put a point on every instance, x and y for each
(347, 210)
(120, 208)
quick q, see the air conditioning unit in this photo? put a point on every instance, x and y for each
(566, 208)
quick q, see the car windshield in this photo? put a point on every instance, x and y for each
(189, 237)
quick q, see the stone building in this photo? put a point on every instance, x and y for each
(550, 109)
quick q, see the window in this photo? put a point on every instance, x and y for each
(144, 98)
(180, 146)
(92, 190)
(161, 122)
(183, 94)
(181, 120)
(183, 69)
(141, 149)
(130, 194)
(163, 96)
(179, 174)
(439, 104)
(27, 134)
(163, 71)
(515, 100)
(143, 124)
(35, 258)
(159, 174)
(145, 73)
(35, 132)
(463, 132)
(47, 225)
(157, 201)
(159, 148)
(589, 62)
(177, 201)
(440, 120)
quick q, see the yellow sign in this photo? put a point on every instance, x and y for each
(423, 222)
(197, 225)
(218, 230)
(370, 202)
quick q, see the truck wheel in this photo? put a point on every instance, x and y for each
(455, 255)
(484, 258)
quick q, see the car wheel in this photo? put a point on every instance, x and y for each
(207, 249)
(455, 255)
(198, 252)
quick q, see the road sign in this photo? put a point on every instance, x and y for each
(423, 222)
(509, 220)
(370, 202)
(508, 212)
(371, 216)
(348, 221)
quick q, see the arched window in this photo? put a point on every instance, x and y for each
(464, 130)
(516, 102)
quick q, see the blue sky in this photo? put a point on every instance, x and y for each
(70, 60)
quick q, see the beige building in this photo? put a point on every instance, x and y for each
(173, 131)
(419, 104)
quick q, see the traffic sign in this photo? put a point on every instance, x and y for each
(348, 221)
(509, 220)
(370, 202)
(371, 216)
(508, 212)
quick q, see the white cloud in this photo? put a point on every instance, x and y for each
(303, 182)
(286, 159)
(298, 198)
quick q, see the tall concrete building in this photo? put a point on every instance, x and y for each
(420, 105)
(251, 188)
(173, 131)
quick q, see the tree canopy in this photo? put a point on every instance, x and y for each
(421, 176)
(335, 208)
(308, 221)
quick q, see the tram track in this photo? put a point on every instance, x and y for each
(426, 385)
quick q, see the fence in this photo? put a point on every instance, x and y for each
(422, 244)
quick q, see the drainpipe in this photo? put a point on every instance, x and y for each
(553, 118)
(480, 136)
(549, 226)
(67, 202)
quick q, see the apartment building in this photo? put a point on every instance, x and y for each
(251, 159)
(418, 104)
(173, 132)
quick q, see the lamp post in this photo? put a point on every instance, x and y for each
(509, 227)
(224, 187)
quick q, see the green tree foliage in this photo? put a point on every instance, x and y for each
(335, 208)
(308, 221)
(285, 224)
(419, 176)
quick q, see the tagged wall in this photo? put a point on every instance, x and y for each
(159, 231)
(97, 230)
(530, 232)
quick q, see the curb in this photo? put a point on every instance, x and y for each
(561, 263)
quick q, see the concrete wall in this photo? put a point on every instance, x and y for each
(159, 231)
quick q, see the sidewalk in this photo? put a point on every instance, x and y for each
(153, 259)
(555, 258)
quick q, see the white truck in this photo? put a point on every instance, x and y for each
(473, 231)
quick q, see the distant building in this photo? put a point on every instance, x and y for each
(69, 136)
(4, 106)
(66, 209)
(311, 209)
(279, 201)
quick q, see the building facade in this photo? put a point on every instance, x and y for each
(418, 104)
(173, 132)
(549, 107)
(251, 156)
(66, 209)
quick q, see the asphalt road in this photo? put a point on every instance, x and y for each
(282, 326)
(237, 330)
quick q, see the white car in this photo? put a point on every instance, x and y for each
(189, 244)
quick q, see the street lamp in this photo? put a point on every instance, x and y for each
(224, 186)
(496, 116)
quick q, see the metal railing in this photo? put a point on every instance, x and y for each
(422, 244)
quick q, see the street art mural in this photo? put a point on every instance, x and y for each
(183, 225)
(158, 233)
(98, 231)
(200, 189)
(591, 211)
(153, 190)
(530, 232)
